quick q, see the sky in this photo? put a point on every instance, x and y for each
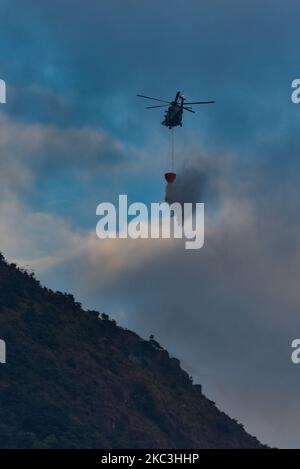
(74, 134)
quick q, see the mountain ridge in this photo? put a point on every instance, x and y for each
(74, 379)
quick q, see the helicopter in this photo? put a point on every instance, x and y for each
(173, 115)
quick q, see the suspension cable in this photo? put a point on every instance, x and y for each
(172, 150)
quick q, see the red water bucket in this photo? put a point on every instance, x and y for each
(170, 177)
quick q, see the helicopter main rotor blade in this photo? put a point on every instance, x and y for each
(188, 109)
(202, 102)
(154, 99)
(154, 107)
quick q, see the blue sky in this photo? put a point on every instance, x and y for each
(73, 134)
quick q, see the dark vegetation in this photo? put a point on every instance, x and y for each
(74, 379)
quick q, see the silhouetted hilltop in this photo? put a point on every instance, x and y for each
(77, 380)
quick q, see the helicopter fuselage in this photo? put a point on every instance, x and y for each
(173, 116)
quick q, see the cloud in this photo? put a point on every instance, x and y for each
(35, 239)
(37, 103)
(230, 307)
(31, 152)
(229, 311)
